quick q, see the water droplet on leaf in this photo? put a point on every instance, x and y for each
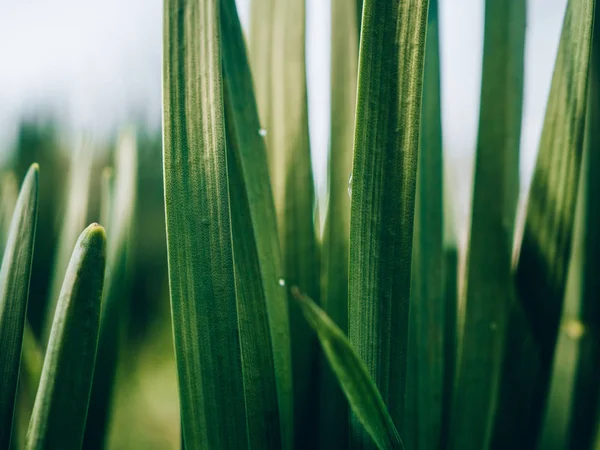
(350, 186)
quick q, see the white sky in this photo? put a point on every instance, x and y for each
(98, 64)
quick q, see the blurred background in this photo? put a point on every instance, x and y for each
(82, 68)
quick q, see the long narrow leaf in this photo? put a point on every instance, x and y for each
(73, 220)
(425, 371)
(496, 190)
(61, 404)
(359, 388)
(120, 211)
(546, 247)
(201, 274)
(384, 173)
(333, 426)
(14, 292)
(573, 405)
(288, 148)
(262, 302)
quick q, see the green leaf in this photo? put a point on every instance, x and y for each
(353, 376)
(73, 221)
(201, 274)
(333, 425)
(119, 196)
(14, 292)
(61, 403)
(281, 86)
(390, 78)
(489, 278)
(572, 409)
(9, 191)
(546, 246)
(425, 369)
(262, 302)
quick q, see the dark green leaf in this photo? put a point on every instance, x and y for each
(359, 388)
(201, 274)
(383, 192)
(262, 302)
(546, 246)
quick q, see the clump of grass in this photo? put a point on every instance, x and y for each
(255, 289)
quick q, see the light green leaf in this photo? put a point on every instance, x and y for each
(262, 302)
(73, 220)
(280, 81)
(390, 78)
(333, 424)
(353, 376)
(201, 274)
(546, 247)
(61, 404)
(14, 292)
(9, 191)
(496, 189)
(425, 370)
(119, 195)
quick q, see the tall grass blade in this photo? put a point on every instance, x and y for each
(390, 78)
(73, 221)
(333, 427)
(573, 405)
(14, 292)
(9, 192)
(119, 211)
(495, 196)
(288, 148)
(359, 388)
(546, 247)
(201, 274)
(262, 302)
(61, 404)
(425, 376)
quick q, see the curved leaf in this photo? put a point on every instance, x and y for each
(61, 404)
(353, 376)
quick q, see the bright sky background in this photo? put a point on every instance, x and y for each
(98, 64)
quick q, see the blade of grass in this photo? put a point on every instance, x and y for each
(546, 246)
(383, 189)
(425, 369)
(201, 274)
(15, 275)
(262, 302)
(118, 202)
(572, 409)
(61, 404)
(333, 427)
(73, 221)
(8, 199)
(293, 188)
(496, 190)
(353, 376)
